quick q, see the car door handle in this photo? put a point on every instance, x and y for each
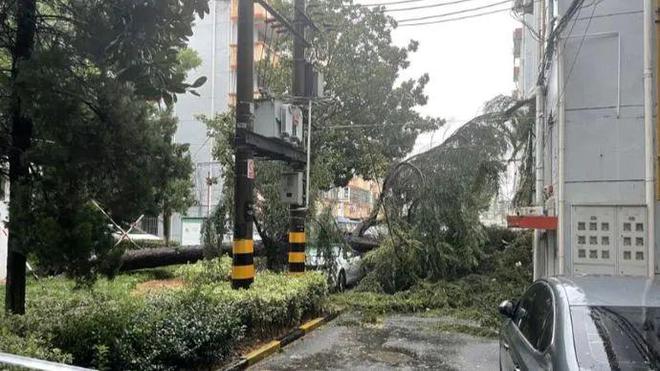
(506, 346)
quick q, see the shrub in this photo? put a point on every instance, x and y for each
(109, 326)
(276, 300)
(206, 271)
(176, 331)
(29, 345)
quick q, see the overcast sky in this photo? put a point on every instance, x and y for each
(469, 61)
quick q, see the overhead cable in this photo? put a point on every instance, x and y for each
(396, 2)
(455, 13)
(455, 19)
(437, 5)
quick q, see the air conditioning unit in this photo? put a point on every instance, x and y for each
(267, 121)
(275, 119)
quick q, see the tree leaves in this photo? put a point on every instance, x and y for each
(93, 89)
(199, 82)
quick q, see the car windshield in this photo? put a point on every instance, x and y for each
(617, 338)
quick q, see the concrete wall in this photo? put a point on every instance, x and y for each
(604, 128)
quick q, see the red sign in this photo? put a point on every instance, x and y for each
(532, 222)
(250, 169)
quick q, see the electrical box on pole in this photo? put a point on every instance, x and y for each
(291, 188)
(314, 83)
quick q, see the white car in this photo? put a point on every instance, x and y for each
(345, 269)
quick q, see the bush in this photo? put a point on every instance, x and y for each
(275, 300)
(206, 271)
(30, 345)
(112, 326)
(177, 331)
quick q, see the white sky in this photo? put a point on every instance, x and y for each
(469, 61)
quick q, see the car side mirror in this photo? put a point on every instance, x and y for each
(506, 308)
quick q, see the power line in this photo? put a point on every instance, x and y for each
(455, 19)
(426, 6)
(455, 13)
(394, 3)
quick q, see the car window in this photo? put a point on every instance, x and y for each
(534, 316)
(616, 338)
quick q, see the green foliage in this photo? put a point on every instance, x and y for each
(275, 300)
(72, 237)
(113, 325)
(91, 92)
(30, 346)
(206, 271)
(472, 297)
(213, 230)
(271, 215)
(326, 235)
(432, 202)
(177, 331)
(362, 67)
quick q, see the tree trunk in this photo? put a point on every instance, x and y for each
(160, 257)
(167, 223)
(19, 182)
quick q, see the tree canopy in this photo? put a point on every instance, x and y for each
(95, 91)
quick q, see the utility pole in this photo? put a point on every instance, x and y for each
(298, 212)
(19, 172)
(242, 274)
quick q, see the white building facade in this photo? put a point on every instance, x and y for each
(592, 134)
(214, 40)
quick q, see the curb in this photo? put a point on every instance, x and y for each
(264, 351)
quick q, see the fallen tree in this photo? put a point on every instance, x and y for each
(431, 203)
(164, 256)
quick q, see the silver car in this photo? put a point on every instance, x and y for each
(583, 323)
(345, 269)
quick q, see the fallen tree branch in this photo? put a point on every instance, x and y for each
(164, 256)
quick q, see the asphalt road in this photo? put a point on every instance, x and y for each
(399, 342)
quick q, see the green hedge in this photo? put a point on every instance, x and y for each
(113, 326)
(206, 271)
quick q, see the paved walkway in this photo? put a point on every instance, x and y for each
(399, 342)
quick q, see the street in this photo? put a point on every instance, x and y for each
(400, 342)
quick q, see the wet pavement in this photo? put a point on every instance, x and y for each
(400, 342)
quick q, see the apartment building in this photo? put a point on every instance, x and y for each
(584, 62)
(354, 202)
(214, 39)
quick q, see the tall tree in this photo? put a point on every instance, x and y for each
(19, 143)
(86, 80)
(368, 121)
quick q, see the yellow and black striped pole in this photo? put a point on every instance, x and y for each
(242, 272)
(297, 240)
(298, 212)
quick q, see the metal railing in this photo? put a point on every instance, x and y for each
(36, 364)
